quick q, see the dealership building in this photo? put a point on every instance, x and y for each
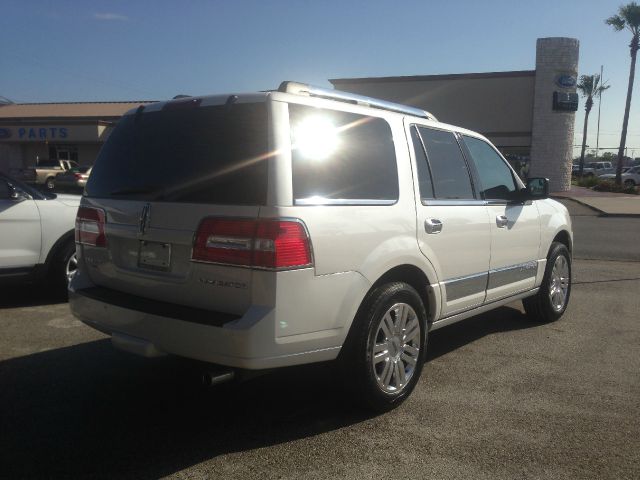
(528, 115)
(66, 131)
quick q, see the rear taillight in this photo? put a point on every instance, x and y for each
(258, 243)
(79, 176)
(90, 227)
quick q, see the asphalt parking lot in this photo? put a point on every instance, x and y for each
(500, 397)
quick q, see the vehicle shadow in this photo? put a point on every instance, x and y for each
(452, 337)
(31, 295)
(89, 410)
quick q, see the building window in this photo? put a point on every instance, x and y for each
(63, 152)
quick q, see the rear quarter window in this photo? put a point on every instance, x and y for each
(341, 158)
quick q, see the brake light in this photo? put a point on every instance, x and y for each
(79, 176)
(90, 227)
(257, 243)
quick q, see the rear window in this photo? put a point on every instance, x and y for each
(213, 154)
(49, 164)
(341, 158)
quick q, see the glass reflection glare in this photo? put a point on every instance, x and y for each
(316, 138)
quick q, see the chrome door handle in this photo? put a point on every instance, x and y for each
(502, 221)
(432, 225)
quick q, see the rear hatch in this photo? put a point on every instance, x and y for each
(160, 173)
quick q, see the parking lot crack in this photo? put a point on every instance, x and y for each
(607, 281)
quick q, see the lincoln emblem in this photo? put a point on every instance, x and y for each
(145, 217)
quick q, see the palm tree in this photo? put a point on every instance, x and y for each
(590, 87)
(628, 17)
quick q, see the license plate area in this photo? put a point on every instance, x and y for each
(154, 256)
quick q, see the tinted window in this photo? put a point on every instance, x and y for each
(424, 175)
(211, 154)
(448, 167)
(4, 189)
(341, 156)
(495, 176)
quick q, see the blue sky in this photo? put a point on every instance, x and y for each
(124, 50)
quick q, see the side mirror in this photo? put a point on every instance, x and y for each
(537, 189)
(16, 195)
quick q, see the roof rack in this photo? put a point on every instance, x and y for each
(309, 90)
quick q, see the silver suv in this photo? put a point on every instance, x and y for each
(304, 225)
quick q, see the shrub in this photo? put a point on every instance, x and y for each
(588, 181)
(610, 186)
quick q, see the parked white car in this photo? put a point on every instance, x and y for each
(630, 177)
(36, 234)
(305, 225)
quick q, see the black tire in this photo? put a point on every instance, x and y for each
(629, 183)
(356, 358)
(59, 264)
(50, 183)
(540, 307)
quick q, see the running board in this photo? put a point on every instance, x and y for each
(481, 309)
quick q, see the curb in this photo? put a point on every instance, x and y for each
(601, 213)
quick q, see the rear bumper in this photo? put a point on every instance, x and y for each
(250, 341)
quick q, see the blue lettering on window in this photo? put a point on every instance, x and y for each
(32, 133)
(43, 133)
(53, 132)
(21, 132)
(63, 132)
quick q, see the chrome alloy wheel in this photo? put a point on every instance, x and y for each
(396, 348)
(71, 267)
(559, 283)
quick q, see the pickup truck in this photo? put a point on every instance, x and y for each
(594, 168)
(44, 173)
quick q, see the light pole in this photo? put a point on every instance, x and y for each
(599, 104)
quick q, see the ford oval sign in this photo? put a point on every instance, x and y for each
(5, 133)
(566, 81)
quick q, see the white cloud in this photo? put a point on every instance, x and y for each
(111, 17)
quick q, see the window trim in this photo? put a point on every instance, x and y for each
(311, 201)
(414, 126)
(470, 169)
(453, 202)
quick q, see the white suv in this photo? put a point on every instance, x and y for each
(304, 225)
(36, 235)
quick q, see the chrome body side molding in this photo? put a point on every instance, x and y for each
(464, 286)
(456, 288)
(504, 276)
(443, 322)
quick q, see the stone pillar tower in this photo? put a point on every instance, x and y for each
(552, 131)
